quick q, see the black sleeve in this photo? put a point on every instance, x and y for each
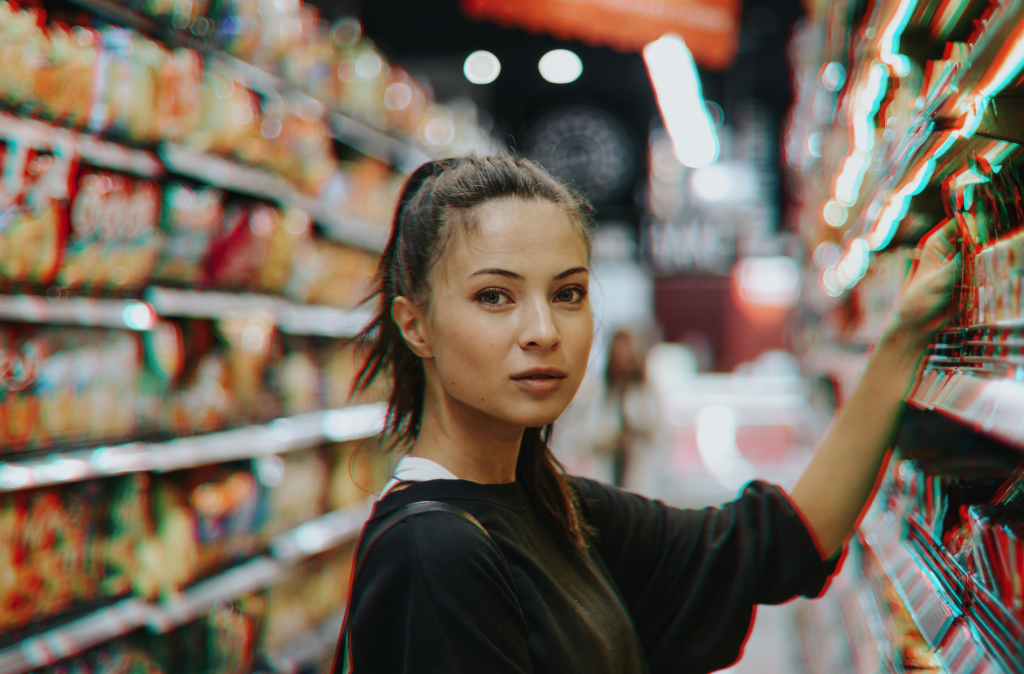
(691, 578)
(435, 595)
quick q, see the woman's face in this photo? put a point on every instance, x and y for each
(509, 323)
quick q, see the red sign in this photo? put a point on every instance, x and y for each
(710, 28)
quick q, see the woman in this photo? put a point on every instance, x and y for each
(485, 330)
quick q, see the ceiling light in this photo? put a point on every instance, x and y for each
(677, 89)
(560, 66)
(481, 67)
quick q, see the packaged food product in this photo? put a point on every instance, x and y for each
(65, 77)
(223, 641)
(33, 211)
(23, 46)
(67, 385)
(204, 520)
(250, 346)
(114, 241)
(48, 553)
(296, 490)
(313, 593)
(241, 249)
(146, 92)
(332, 274)
(190, 219)
(300, 381)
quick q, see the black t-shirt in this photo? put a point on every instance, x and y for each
(660, 589)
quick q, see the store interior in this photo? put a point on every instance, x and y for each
(184, 470)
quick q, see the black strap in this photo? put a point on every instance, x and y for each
(341, 656)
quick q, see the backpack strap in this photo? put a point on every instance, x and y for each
(343, 653)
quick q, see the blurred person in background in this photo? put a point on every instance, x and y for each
(626, 423)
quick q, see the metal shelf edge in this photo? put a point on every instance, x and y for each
(283, 435)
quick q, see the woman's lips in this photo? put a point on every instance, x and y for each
(546, 380)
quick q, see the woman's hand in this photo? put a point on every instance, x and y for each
(924, 304)
(837, 484)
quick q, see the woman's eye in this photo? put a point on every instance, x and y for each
(570, 295)
(491, 297)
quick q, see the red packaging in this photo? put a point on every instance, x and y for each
(114, 240)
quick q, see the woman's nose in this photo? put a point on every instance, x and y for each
(538, 330)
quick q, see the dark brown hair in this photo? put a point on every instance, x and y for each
(436, 204)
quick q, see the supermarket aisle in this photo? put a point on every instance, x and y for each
(774, 644)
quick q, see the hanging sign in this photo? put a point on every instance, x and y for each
(710, 28)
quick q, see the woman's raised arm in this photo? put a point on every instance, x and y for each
(833, 491)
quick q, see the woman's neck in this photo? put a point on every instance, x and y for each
(472, 445)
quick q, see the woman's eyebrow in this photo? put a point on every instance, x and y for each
(498, 272)
(570, 272)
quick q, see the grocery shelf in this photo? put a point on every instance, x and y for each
(75, 637)
(93, 150)
(128, 615)
(942, 617)
(283, 435)
(382, 146)
(323, 533)
(256, 182)
(309, 648)
(291, 318)
(990, 406)
(130, 314)
(250, 576)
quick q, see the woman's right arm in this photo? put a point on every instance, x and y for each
(436, 596)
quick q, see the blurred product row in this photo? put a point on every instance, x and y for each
(160, 162)
(73, 549)
(87, 229)
(66, 386)
(906, 120)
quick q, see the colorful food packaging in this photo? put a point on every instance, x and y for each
(67, 385)
(190, 219)
(204, 520)
(49, 559)
(65, 78)
(33, 212)
(312, 594)
(332, 274)
(114, 240)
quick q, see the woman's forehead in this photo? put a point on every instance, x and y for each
(523, 230)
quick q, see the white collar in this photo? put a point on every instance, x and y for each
(416, 469)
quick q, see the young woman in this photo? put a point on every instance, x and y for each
(484, 331)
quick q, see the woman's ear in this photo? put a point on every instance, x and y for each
(410, 320)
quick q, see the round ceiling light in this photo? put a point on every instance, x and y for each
(481, 67)
(560, 66)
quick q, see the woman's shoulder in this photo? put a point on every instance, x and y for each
(437, 543)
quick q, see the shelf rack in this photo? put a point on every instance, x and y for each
(128, 615)
(402, 153)
(939, 597)
(283, 435)
(132, 314)
(990, 406)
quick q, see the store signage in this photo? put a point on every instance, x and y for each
(710, 28)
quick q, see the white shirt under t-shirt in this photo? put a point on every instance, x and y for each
(415, 469)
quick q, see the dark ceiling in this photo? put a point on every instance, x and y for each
(433, 38)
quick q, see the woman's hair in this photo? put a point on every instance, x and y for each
(438, 203)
